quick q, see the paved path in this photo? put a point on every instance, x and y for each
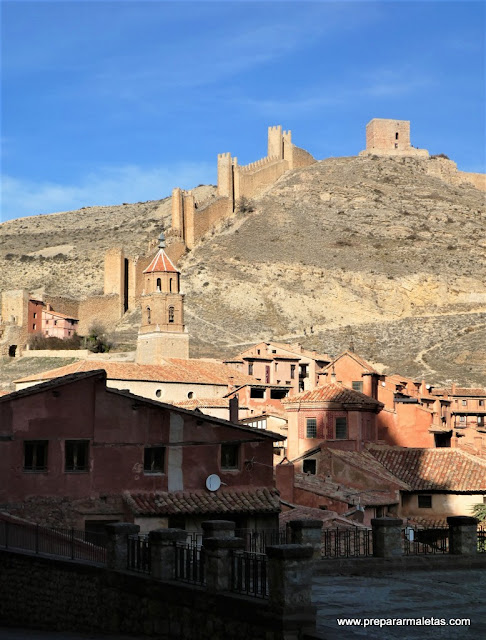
(417, 594)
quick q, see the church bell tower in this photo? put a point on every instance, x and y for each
(162, 333)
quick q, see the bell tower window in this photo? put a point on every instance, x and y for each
(159, 284)
(148, 315)
(171, 315)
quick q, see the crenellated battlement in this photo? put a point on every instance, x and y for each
(191, 219)
(258, 164)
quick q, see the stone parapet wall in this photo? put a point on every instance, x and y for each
(248, 183)
(63, 595)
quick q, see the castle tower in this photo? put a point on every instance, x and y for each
(162, 333)
(391, 138)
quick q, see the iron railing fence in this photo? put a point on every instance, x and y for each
(346, 543)
(418, 541)
(54, 541)
(249, 573)
(138, 553)
(189, 563)
(257, 541)
(481, 539)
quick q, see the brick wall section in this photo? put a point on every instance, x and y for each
(64, 595)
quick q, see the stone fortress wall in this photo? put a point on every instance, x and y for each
(191, 220)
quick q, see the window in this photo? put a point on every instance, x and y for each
(153, 459)
(292, 371)
(462, 418)
(267, 374)
(229, 456)
(35, 455)
(341, 428)
(464, 403)
(171, 315)
(425, 502)
(396, 135)
(148, 315)
(47, 321)
(311, 428)
(33, 327)
(55, 322)
(309, 466)
(257, 393)
(170, 285)
(76, 455)
(159, 284)
(278, 394)
(250, 368)
(481, 403)
(35, 316)
(357, 385)
(276, 366)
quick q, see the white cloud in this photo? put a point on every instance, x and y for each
(107, 186)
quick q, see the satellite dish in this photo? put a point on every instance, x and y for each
(213, 482)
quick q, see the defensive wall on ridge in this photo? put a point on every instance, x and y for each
(191, 219)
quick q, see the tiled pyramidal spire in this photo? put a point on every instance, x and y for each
(162, 332)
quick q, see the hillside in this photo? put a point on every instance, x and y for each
(368, 249)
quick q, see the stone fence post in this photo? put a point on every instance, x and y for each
(162, 543)
(289, 572)
(217, 561)
(218, 529)
(307, 532)
(116, 547)
(463, 535)
(387, 537)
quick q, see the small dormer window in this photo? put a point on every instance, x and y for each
(171, 315)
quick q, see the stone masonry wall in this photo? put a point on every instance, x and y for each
(106, 310)
(64, 595)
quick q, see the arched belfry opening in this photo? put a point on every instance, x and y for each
(159, 284)
(149, 319)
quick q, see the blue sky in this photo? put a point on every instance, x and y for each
(111, 102)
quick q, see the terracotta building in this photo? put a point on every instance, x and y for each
(467, 416)
(280, 363)
(411, 416)
(78, 453)
(441, 482)
(343, 418)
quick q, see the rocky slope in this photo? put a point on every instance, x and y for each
(368, 249)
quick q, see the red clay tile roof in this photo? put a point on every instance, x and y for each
(344, 493)
(205, 402)
(460, 391)
(160, 262)
(330, 519)
(59, 315)
(257, 500)
(433, 469)
(366, 365)
(298, 350)
(175, 370)
(334, 392)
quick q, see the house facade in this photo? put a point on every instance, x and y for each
(76, 452)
